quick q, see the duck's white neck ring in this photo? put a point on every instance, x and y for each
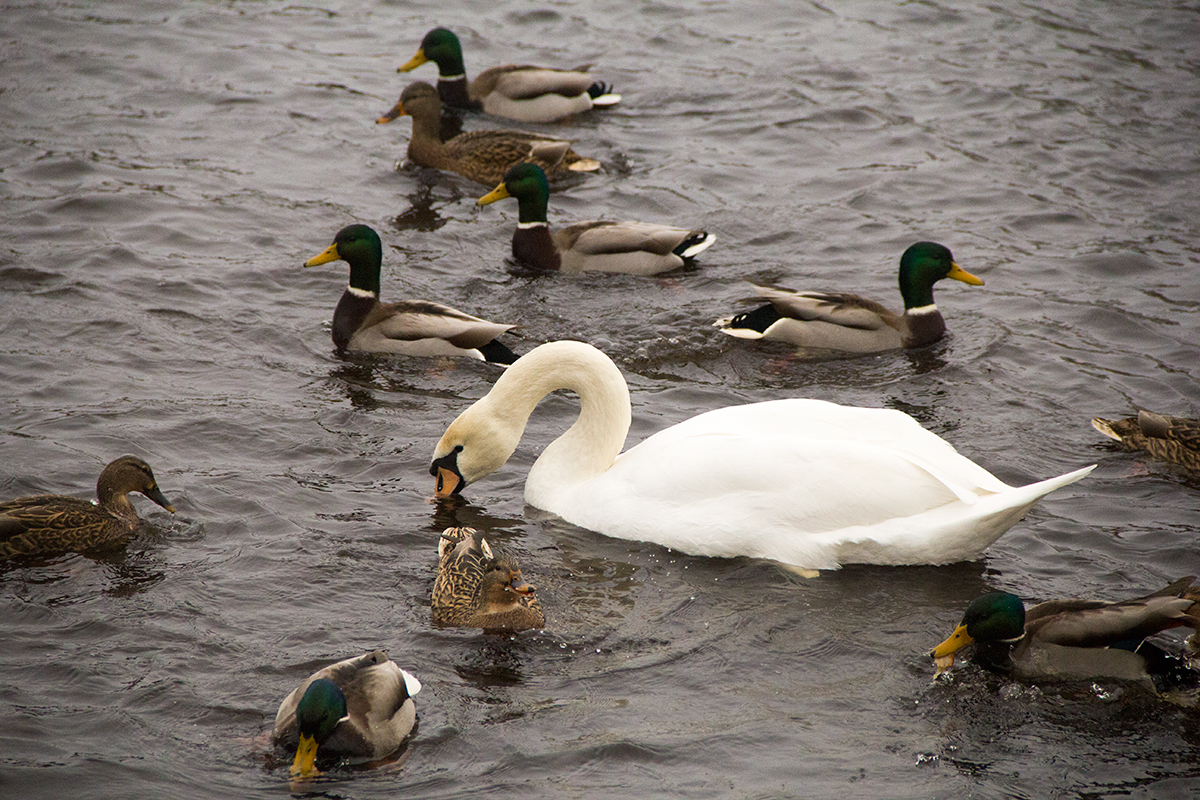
(929, 309)
(354, 290)
(524, 226)
(452, 77)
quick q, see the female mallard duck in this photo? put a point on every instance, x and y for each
(476, 588)
(409, 327)
(804, 482)
(482, 156)
(1174, 439)
(53, 523)
(853, 324)
(1068, 639)
(517, 91)
(637, 248)
(360, 709)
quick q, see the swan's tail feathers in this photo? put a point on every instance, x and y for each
(602, 95)
(947, 534)
(695, 244)
(1050, 484)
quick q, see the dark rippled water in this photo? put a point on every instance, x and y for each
(166, 168)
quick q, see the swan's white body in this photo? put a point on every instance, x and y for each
(803, 482)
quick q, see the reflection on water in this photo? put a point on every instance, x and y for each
(422, 215)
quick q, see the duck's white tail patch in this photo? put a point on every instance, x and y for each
(604, 100)
(585, 165)
(699, 247)
(410, 682)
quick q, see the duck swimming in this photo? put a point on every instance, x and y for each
(1173, 439)
(359, 709)
(517, 91)
(803, 482)
(407, 327)
(839, 321)
(476, 587)
(1068, 639)
(51, 523)
(638, 248)
(482, 156)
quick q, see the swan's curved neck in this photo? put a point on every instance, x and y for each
(590, 446)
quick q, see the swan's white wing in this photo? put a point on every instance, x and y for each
(803, 482)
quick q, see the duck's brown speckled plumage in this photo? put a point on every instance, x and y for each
(1174, 439)
(50, 523)
(476, 587)
(482, 156)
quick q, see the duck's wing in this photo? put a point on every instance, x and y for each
(486, 155)
(378, 712)
(833, 321)
(603, 237)
(410, 320)
(1082, 623)
(1182, 429)
(837, 308)
(527, 81)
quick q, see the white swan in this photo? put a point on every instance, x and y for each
(804, 482)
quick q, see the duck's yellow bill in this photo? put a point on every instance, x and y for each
(960, 274)
(304, 765)
(324, 257)
(499, 193)
(957, 641)
(413, 62)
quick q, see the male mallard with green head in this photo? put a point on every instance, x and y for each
(637, 248)
(518, 91)
(838, 321)
(1069, 639)
(359, 709)
(407, 327)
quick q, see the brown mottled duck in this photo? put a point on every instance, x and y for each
(482, 156)
(51, 523)
(476, 587)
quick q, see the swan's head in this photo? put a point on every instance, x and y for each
(474, 446)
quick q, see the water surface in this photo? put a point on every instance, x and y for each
(167, 168)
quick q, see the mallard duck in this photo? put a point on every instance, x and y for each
(803, 482)
(409, 327)
(54, 523)
(1174, 439)
(517, 91)
(638, 248)
(848, 323)
(482, 156)
(359, 709)
(476, 588)
(1068, 639)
